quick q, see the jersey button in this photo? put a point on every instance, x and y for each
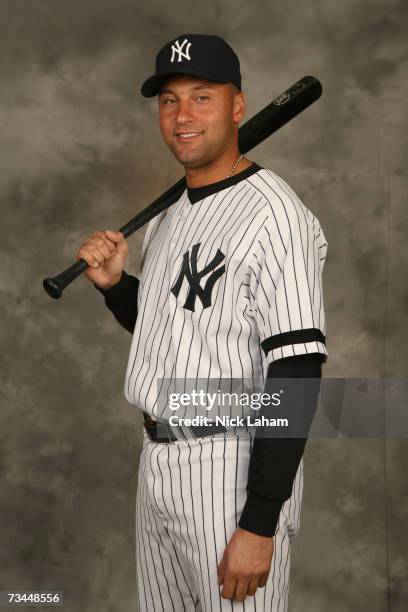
(147, 359)
(159, 311)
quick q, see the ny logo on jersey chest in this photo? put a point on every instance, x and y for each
(193, 276)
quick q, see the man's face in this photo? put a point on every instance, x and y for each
(198, 118)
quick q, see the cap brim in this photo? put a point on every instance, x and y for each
(152, 85)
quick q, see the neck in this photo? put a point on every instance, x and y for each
(215, 171)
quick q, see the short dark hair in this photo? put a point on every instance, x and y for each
(234, 88)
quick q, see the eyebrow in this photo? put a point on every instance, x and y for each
(201, 86)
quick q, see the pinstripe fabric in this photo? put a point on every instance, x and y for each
(229, 284)
(285, 284)
(267, 304)
(190, 495)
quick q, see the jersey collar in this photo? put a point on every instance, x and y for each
(195, 194)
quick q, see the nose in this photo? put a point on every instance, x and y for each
(184, 112)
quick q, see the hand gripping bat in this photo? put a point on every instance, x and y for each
(281, 110)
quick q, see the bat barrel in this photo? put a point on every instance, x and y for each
(282, 109)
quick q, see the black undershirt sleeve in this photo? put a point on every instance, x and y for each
(121, 299)
(274, 461)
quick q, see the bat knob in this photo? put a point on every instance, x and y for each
(52, 287)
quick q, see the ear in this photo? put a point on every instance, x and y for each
(239, 106)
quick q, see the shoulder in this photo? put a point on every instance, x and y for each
(278, 195)
(281, 206)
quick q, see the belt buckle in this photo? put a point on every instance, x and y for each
(148, 431)
(148, 419)
(152, 426)
(166, 433)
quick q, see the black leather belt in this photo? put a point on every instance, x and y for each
(164, 432)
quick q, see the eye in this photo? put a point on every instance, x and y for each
(168, 100)
(203, 96)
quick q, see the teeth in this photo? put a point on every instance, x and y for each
(188, 135)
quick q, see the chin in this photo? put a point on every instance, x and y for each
(193, 158)
(189, 159)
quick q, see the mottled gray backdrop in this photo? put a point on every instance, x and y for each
(81, 150)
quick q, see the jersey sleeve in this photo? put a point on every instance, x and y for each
(286, 289)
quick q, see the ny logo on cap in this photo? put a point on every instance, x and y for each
(177, 48)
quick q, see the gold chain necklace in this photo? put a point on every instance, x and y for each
(235, 165)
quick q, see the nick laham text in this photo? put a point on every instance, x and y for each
(228, 421)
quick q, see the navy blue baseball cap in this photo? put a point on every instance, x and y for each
(202, 55)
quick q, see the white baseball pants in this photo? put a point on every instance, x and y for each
(190, 495)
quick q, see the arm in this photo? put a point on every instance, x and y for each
(121, 300)
(106, 253)
(268, 488)
(287, 298)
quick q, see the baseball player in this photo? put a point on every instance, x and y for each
(230, 289)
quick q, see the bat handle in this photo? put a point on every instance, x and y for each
(55, 286)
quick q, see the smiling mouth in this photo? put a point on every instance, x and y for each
(187, 135)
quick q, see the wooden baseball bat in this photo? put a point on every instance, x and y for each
(281, 110)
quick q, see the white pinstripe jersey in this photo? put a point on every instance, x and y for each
(231, 280)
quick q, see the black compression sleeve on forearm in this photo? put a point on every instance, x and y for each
(275, 461)
(121, 299)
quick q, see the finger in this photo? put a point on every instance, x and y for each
(114, 236)
(262, 581)
(228, 588)
(112, 244)
(108, 248)
(107, 241)
(85, 254)
(95, 251)
(241, 589)
(253, 586)
(97, 235)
